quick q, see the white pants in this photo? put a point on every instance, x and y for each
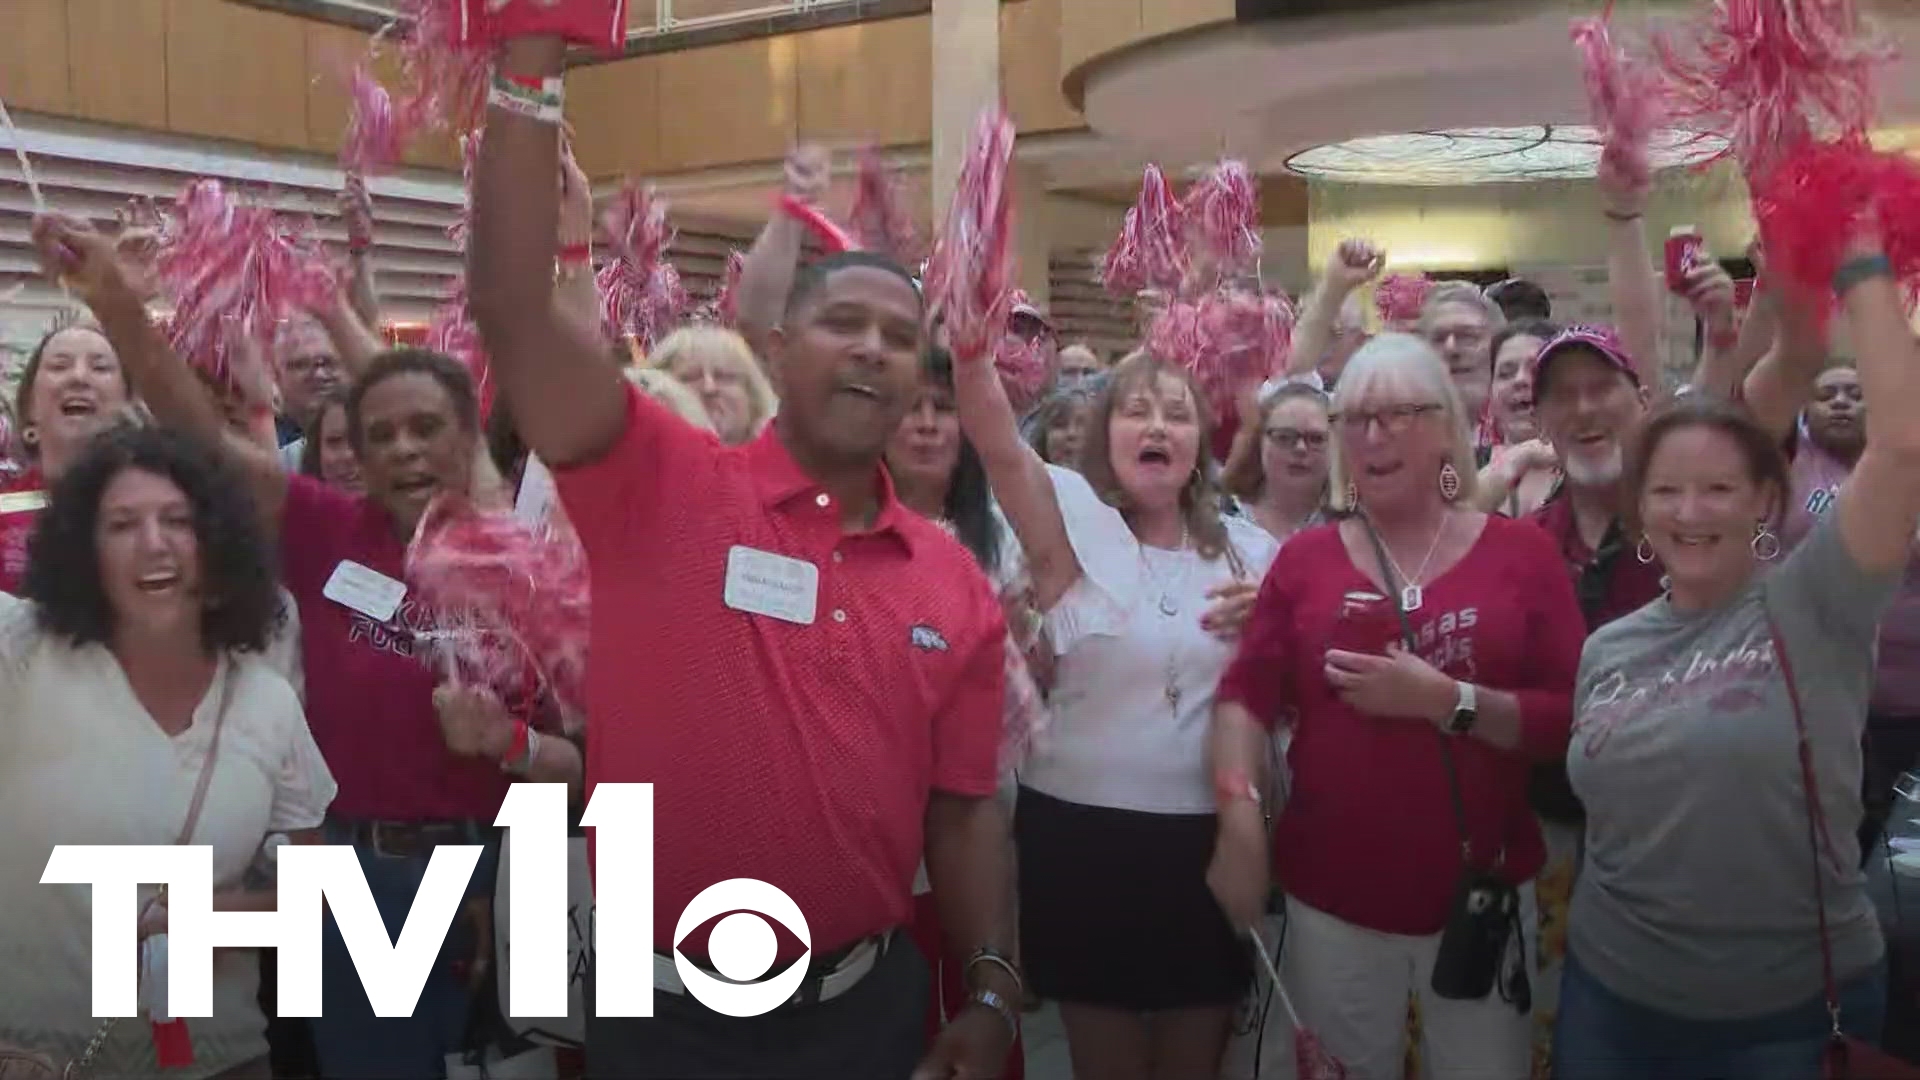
(1351, 987)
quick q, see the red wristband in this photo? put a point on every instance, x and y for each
(576, 253)
(1231, 786)
(535, 83)
(518, 751)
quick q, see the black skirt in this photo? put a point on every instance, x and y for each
(1115, 910)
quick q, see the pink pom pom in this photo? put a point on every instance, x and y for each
(1022, 366)
(234, 272)
(829, 234)
(447, 74)
(1623, 96)
(879, 215)
(1812, 201)
(1312, 1059)
(451, 331)
(726, 301)
(1399, 297)
(379, 125)
(507, 597)
(1222, 217)
(1227, 339)
(1771, 74)
(641, 296)
(969, 277)
(1150, 252)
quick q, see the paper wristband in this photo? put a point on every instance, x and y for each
(532, 110)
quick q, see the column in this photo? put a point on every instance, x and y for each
(966, 79)
(1032, 232)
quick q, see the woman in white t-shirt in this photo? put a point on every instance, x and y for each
(147, 605)
(1142, 585)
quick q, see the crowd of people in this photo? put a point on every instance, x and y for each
(1536, 716)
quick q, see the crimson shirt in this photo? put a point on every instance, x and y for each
(1610, 582)
(369, 695)
(801, 755)
(20, 501)
(1368, 833)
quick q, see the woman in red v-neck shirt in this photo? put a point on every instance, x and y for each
(71, 390)
(1368, 845)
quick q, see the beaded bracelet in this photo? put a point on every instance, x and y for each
(1855, 271)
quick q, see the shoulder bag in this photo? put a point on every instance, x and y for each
(1846, 1058)
(1484, 917)
(20, 1063)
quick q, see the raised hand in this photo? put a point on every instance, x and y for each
(809, 169)
(1354, 263)
(74, 252)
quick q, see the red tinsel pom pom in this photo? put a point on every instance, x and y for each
(641, 295)
(1222, 217)
(1022, 366)
(1399, 297)
(969, 277)
(824, 229)
(1150, 252)
(879, 216)
(1811, 202)
(1623, 97)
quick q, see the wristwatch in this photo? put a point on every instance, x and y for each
(1465, 711)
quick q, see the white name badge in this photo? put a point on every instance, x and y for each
(369, 592)
(762, 583)
(19, 502)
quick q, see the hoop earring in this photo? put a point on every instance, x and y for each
(1643, 551)
(1766, 545)
(1353, 496)
(1449, 482)
(30, 435)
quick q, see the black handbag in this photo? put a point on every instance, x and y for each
(1483, 921)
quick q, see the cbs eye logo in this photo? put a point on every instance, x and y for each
(742, 947)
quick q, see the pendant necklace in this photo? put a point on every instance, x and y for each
(1169, 607)
(1411, 593)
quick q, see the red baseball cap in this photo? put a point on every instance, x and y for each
(1599, 340)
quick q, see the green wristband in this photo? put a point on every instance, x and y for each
(1855, 271)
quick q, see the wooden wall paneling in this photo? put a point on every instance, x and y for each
(726, 104)
(867, 81)
(330, 53)
(1030, 66)
(615, 111)
(33, 55)
(236, 72)
(1082, 309)
(1089, 28)
(1169, 16)
(116, 50)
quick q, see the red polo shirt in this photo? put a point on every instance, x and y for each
(801, 755)
(1610, 582)
(21, 499)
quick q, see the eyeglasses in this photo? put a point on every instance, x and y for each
(1394, 419)
(1293, 438)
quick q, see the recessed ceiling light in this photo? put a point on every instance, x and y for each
(1486, 155)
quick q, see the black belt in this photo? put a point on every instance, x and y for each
(819, 965)
(408, 839)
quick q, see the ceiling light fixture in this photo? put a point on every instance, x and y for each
(1486, 155)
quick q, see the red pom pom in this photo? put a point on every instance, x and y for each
(234, 272)
(451, 331)
(507, 598)
(379, 124)
(1023, 370)
(724, 309)
(829, 234)
(447, 71)
(641, 296)
(969, 277)
(1312, 1059)
(1227, 339)
(1623, 96)
(1222, 217)
(1771, 74)
(1399, 297)
(1150, 252)
(879, 215)
(1811, 202)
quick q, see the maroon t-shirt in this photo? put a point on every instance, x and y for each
(1610, 581)
(1368, 833)
(21, 500)
(369, 690)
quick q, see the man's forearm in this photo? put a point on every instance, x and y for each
(970, 866)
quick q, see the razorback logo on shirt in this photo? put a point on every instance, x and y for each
(1727, 682)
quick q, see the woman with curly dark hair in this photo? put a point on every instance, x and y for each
(132, 667)
(419, 764)
(329, 456)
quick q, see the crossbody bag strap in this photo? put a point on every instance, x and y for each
(1406, 636)
(1816, 821)
(213, 756)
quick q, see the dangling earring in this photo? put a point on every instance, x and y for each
(1353, 495)
(1449, 482)
(1643, 551)
(30, 435)
(1766, 546)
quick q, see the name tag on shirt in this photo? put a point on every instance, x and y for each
(369, 592)
(19, 502)
(762, 583)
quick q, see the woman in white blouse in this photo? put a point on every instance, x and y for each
(1142, 584)
(147, 604)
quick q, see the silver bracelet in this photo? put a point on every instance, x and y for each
(1000, 1005)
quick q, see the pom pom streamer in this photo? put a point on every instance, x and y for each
(234, 272)
(451, 331)
(1399, 297)
(969, 276)
(641, 296)
(379, 127)
(1150, 252)
(829, 234)
(1222, 217)
(508, 597)
(1623, 96)
(879, 216)
(20, 156)
(1312, 1060)
(1022, 367)
(1771, 74)
(726, 302)
(1809, 205)
(1227, 339)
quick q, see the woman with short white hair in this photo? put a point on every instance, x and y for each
(718, 366)
(1408, 767)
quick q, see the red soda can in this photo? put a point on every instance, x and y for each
(1367, 623)
(1685, 250)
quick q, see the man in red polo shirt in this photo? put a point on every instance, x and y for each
(809, 672)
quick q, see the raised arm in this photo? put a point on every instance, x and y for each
(766, 276)
(1631, 279)
(352, 338)
(173, 393)
(1880, 503)
(1018, 478)
(356, 208)
(568, 399)
(576, 294)
(1353, 264)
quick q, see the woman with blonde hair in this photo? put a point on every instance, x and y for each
(1141, 584)
(1454, 640)
(719, 368)
(672, 393)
